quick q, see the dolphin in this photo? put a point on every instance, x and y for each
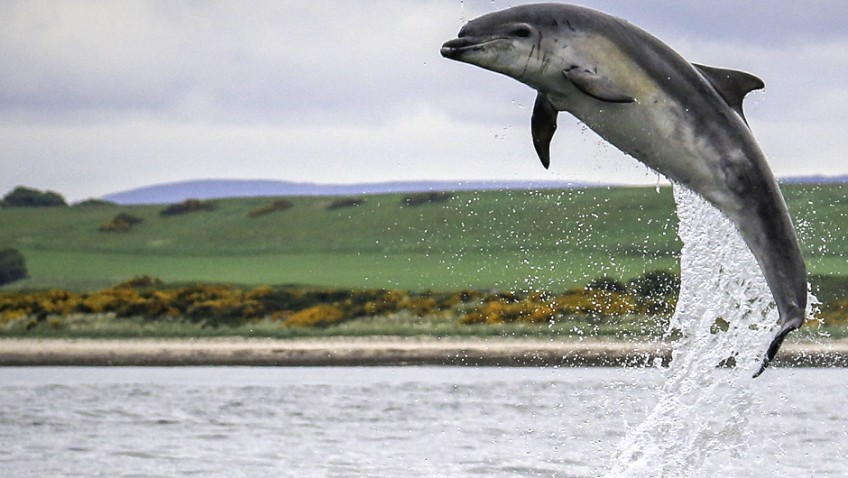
(681, 119)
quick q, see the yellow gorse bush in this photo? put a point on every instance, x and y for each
(318, 315)
(834, 313)
(219, 304)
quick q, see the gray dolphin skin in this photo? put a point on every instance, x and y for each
(683, 120)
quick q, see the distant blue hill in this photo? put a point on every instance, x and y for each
(229, 188)
(815, 179)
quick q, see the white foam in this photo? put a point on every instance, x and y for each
(700, 420)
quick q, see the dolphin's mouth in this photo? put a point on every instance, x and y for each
(456, 47)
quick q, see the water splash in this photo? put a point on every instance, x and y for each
(724, 316)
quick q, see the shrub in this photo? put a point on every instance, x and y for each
(139, 282)
(321, 315)
(540, 307)
(608, 284)
(834, 313)
(7, 316)
(109, 300)
(122, 222)
(656, 284)
(417, 199)
(296, 298)
(12, 266)
(276, 205)
(447, 301)
(345, 202)
(187, 206)
(499, 309)
(421, 306)
(94, 202)
(233, 309)
(25, 197)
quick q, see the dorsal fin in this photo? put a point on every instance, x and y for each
(732, 85)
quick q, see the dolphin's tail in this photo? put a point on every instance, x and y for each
(788, 326)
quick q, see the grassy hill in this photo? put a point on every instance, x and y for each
(549, 239)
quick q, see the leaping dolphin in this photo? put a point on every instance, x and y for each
(681, 119)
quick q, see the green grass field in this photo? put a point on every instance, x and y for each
(501, 239)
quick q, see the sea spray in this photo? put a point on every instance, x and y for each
(725, 316)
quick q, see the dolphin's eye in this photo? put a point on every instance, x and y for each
(522, 32)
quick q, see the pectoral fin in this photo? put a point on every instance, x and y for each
(596, 86)
(543, 125)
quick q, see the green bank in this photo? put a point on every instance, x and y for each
(551, 239)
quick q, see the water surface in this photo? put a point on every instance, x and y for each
(381, 421)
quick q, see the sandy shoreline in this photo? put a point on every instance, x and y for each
(362, 351)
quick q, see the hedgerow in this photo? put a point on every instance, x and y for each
(275, 205)
(417, 199)
(215, 305)
(345, 202)
(188, 206)
(219, 304)
(95, 202)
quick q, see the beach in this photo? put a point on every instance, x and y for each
(374, 351)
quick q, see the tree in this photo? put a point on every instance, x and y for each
(12, 266)
(25, 197)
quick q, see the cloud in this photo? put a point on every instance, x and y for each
(774, 23)
(220, 60)
(99, 96)
(277, 59)
(70, 56)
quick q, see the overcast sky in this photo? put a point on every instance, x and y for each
(98, 97)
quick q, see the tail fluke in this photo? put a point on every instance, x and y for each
(777, 341)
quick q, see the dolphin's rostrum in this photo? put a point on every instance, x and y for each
(680, 119)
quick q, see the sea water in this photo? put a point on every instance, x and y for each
(384, 421)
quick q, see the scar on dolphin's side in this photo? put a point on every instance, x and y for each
(681, 119)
